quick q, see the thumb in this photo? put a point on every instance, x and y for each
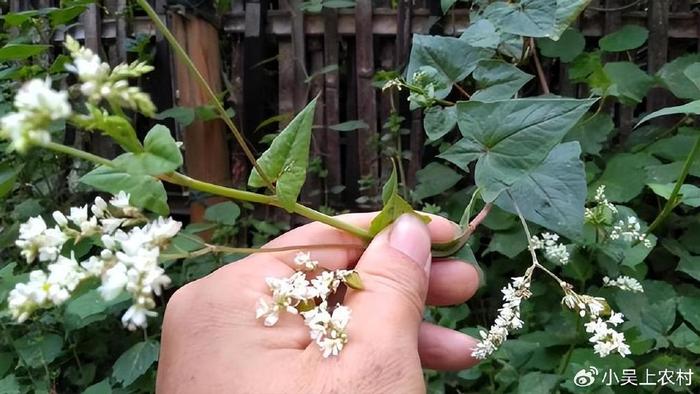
(394, 270)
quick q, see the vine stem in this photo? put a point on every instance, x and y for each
(236, 194)
(538, 67)
(184, 57)
(671, 202)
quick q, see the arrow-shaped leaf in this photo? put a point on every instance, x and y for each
(287, 158)
(394, 206)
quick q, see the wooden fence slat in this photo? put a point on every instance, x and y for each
(313, 191)
(206, 147)
(386, 102)
(658, 25)
(331, 150)
(366, 93)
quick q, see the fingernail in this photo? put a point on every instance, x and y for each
(410, 236)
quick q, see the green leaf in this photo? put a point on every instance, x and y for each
(182, 115)
(692, 72)
(537, 383)
(225, 213)
(512, 136)
(509, 243)
(434, 179)
(135, 362)
(628, 82)
(350, 125)
(146, 191)
(21, 51)
(591, 132)
(531, 18)
(88, 308)
(61, 16)
(689, 307)
(691, 108)
(690, 265)
(654, 316)
(13, 19)
(8, 175)
(481, 34)
(394, 206)
(625, 176)
(569, 45)
(683, 337)
(38, 350)
(566, 14)
(452, 58)
(552, 194)
(497, 80)
(674, 77)
(628, 37)
(677, 147)
(9, 385)
(161, 155)
(689, 194)
(102, 387)
(439, 121)
(287, 158)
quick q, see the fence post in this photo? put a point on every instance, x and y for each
(206, 146)
(366, 93)
(658, 52)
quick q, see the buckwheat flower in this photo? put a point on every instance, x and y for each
(36, 240)
(393, 83)
(326, 283)
(601, 199)
(508, 317)
(121, 201)
(60, 218)
(624, 283)
(137, 317)
(114, 280)
(99, 81)
(25, 298)
(38, 98)
(304, 262)
(161, 230)
(328, 329)
(79, 217)
(605, 338)
(99, 208)
(630, 231)
(553, 250)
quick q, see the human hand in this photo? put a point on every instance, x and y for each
(212, 342)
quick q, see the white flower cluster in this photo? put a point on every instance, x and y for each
(605, 338)
(601, 201)
(553, 250)
(508, 317)
(128, 261)
(630, 231)
(100, 82)
(298, 295)
(37, 105)
(393, 83)
(624, 283)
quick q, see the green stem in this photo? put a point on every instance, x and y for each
(672, 199)
(184, 57)
(209, 248)
(69, 150)
(241, 195)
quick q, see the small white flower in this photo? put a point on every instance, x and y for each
(36, 240)
(114, 280)
(304, 262)
(630, 231)
(553, 250)
(60, 218)
(508, 317)
(625, 283)
(37, 97)
(137, 317)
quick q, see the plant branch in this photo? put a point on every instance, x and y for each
(184, 57)
(464, 92)
(538, 66)
(241, 195)
(209, 248)
(452, 247)
(672, 199)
